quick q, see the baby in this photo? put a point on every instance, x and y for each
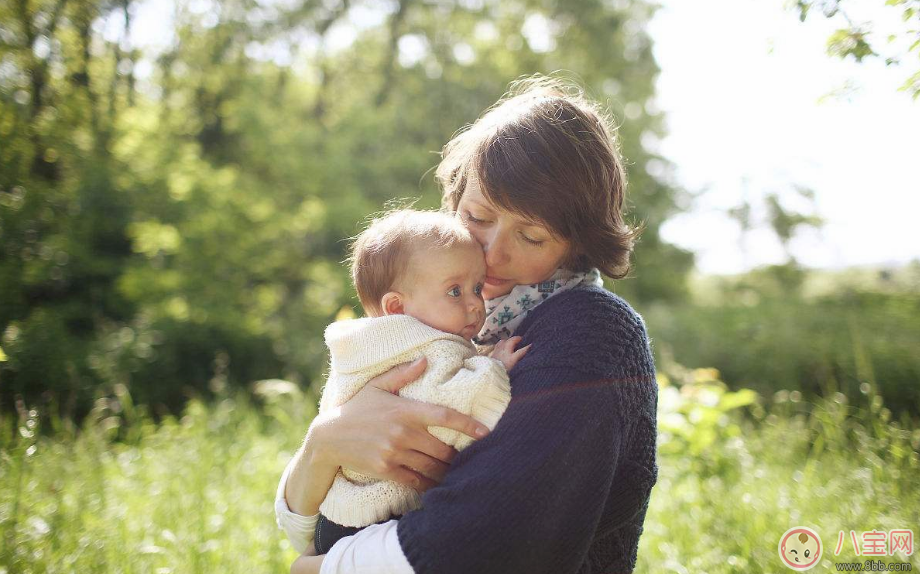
(419, 276)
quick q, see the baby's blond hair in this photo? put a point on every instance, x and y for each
(381, 253)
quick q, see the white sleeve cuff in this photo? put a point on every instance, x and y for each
(374, 550)
(299, 529)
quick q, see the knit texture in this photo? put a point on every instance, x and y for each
(563, 482)
(455, 377)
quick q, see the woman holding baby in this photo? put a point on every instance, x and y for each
(561, 484)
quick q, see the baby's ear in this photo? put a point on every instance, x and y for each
(392, 303)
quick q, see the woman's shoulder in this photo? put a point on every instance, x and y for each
(592, 329)
(587, 309)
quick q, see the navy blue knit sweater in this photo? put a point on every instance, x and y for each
(563, 482)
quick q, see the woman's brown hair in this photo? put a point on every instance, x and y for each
(548, 154)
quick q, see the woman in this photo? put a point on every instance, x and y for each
(562, 483)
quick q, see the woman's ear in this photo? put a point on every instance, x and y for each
(392, 303)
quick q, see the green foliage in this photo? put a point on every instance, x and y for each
(785, 223)
(695, 418)
(768, 331)
(828, 465)
(177, 217)
(191, 494)
(862, 40)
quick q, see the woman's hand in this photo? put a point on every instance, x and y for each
(386, 436)
(307, 564)
(377, 433)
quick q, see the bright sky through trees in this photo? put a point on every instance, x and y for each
(755, 105)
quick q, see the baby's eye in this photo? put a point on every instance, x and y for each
(807, 552)
(454, 292)
(478, 289)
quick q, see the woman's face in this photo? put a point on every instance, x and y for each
(517, 252)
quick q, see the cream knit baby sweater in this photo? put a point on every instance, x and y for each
(455, 377)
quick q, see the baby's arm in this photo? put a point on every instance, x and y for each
(504, 352)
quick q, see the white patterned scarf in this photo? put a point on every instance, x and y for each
(505, 313)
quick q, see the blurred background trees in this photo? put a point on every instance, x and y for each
(174, 219)
(174, 212)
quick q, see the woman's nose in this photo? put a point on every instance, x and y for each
(495, 250)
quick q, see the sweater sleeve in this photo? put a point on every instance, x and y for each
(554, 454)
(300, 529)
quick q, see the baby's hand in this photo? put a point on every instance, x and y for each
(504, 352)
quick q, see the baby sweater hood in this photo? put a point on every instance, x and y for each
(361, 344)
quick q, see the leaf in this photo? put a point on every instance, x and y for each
(849, 42)
(912, 85)
(737, 399)
(2, 355)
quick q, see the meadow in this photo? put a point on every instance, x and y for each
(193, 493)
(172, 225)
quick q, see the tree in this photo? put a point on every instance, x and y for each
(861, 39)
(182, 229)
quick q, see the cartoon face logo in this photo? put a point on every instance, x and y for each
(800, 548)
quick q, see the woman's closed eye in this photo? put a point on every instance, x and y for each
(531, 241)
(476, 221)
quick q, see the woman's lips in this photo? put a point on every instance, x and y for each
(495, 280)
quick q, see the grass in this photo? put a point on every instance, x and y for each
(194, 494)
(723, 506)
(763, 336)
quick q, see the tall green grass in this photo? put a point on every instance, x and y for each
(194, 493)
(736, 474)
(819, 345)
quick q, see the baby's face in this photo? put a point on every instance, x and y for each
(444, 289)
(800, 549)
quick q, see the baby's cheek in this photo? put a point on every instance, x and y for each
(445, 318)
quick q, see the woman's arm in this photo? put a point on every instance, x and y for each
(309, 475)
(380, 434)
(307, 564)
(299, 528)
(315, 464)
(377, 433)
